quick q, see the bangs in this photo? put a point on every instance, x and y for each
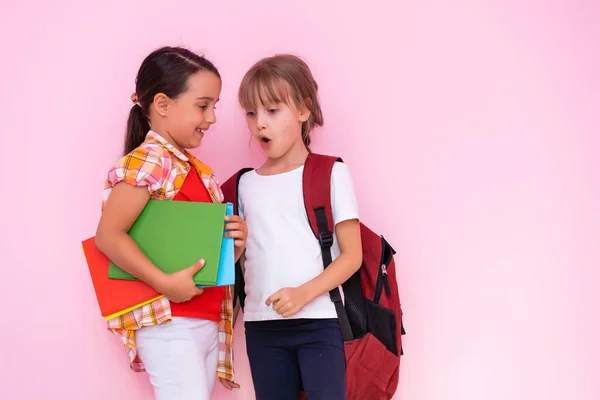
(263, 86)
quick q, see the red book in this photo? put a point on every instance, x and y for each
(115, 296)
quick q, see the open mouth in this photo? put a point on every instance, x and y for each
(200, 131)
(264, 139)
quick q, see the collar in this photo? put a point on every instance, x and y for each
(184, 156)
(166, 145)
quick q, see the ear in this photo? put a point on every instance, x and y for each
(305, 111)
(161, 104)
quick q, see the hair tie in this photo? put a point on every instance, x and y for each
(134, 99)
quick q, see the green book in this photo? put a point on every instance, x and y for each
(176, 234)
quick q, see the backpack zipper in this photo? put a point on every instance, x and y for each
(386, 284)
(382, 276)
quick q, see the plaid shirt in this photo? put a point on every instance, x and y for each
(162, 168)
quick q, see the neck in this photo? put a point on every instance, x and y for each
(291, 159)
(165, 134)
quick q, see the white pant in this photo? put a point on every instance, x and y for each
(180, 357)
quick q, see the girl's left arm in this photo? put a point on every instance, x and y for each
(343, 267)
(288, 301)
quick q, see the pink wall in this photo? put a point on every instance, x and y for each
(476, 126)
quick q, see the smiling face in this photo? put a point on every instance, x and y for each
(184, 119)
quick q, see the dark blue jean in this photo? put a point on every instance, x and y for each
(287, 355)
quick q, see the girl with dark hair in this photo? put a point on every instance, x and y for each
(184, 339)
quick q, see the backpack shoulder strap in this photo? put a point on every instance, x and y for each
(230, 194)
(316, 187)
(230, 188)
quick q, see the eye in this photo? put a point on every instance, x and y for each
(273, 110)
(251, 113)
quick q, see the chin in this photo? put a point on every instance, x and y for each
(277, 153)
(194, 143)
(271, 153)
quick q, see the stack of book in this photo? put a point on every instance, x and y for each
(173, 235)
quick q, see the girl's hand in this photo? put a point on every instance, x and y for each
(288, 301)
(179, 286)
(229, 385)
(236, 228)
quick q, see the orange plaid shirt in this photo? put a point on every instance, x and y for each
(162, 168)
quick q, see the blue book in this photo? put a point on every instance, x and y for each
(226, 273)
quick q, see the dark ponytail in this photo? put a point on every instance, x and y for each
(137, 128)
(165, 70)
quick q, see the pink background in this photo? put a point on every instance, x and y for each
(471, 128)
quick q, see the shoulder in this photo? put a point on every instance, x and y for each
(143, 165)
(344, 202)
(342, 184)
(341, 171)
(147, 155)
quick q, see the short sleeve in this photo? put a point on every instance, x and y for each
(344, 205)
(141, 167)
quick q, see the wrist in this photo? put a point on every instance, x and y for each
(308, 292)
(159, 281)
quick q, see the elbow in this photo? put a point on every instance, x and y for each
(356, 259)
(103, 239)
(353, 258)
(358, 263)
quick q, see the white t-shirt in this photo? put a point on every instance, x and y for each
(281, 249)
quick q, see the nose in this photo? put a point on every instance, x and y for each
(260, 120)
(210, 116)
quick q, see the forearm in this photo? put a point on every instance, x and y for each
(124, 252)
(338, 272)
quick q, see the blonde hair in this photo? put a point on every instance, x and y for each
(282, 78)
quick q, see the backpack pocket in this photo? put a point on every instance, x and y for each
(381, 323)
(370, 368)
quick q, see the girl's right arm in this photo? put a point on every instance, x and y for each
(122, 208)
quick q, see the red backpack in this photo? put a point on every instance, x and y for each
(370, 313)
